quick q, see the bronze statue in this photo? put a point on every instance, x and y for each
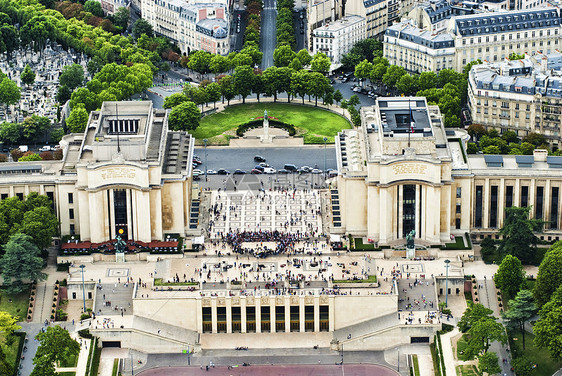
(120, 245)
(410, 239)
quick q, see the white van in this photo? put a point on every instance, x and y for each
(23, 148)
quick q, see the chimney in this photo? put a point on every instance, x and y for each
(540, 155)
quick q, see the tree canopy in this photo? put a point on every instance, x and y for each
(27, 76)
(21, 263)
(510, 276)
(184, 117)
(55, 344)
(521, 310)
(518, 230)
(548, 329)
(549, 276)
(472, 314)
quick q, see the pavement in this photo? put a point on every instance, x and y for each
(268, 32)
(230, 158)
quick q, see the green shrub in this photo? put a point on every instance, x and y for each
(85, 333)
(243, 128)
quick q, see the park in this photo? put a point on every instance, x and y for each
(312, 123)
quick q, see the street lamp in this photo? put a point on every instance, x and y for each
(447, 281)
(325, 139)
(83, 287)
(205, 142)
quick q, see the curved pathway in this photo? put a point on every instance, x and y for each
(293, 370)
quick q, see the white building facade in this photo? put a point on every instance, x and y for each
(337, 38)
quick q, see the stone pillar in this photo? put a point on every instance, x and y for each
(243, 328)
(332, 311)
(316, 314)
(228, 302)
(141, 219)
(532, 195)
(98, 216)
(272, 314)
(400, 232)
(546, 202)
(258, 314)
(486, 204)
(130, 204)
(385, 214)
(445, 215)
(199, 316)
(287, 314)
(302, 327)
(155, 214)
(214, 315)
(501, 203)
(111, 214)
(417, 212)
(83, 215)
(517, 193)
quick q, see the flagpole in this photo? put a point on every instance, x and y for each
(411, 121)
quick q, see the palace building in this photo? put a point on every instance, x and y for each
(127, 173)
(402, 170)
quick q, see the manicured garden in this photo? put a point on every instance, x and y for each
(546, 366)
(312, 123)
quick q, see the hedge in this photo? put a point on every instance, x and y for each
(243, 128)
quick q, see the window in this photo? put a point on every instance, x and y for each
(524, 196)
(221, 319)
(309, 318)
(280, 318)
(554, 208)
(72, 230)
(71, 213)
(539, 203)
(324, 318)
(265, 318)
(494, 206)
(509, 196)
(207, 320)
(4, 196)
(251, 319)
(236, 320)
(459, 192)
(70, 198)
(19, 196)
(458, 209)
(478, 206)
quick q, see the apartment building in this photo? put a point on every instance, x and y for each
(377, 15)
(490, 36)
(522, 95)
(337, 38)
(202, 26)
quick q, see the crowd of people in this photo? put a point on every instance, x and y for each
(284, 242)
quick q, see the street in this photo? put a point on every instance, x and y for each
(268, 32)
(243, 158)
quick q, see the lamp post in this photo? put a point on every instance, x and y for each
(325, 139)
(447, 262)
(205, 142)
(83, 287)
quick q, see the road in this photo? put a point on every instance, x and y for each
(268, 32)
(237, 39)
(301, 36)
(243, 158)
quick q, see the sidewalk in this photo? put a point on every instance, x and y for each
(448, 355)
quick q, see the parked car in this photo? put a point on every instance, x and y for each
(316, 171)
(306, 168)
(45, 148)
(283, 171)
(269, 170)
(263, 164)
(223, 171)
(259, 158)
(197, 171)
(255, 171)
(211, 172)
(258, 167)
(290, 167)
(239, 172)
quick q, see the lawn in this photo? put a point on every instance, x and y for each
(546, 366)
(67, 373)
(371, 279)
(13, 351)
(160, 282)
(15, 305)
(312, 123)
(69, 361)
(461, 346)
(416, 365)
(467, 370)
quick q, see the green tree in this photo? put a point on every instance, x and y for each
(10, 133)
(353, 100)
(318, 85)
(35, 127)
(363, 70)
(338, 96)
(515, 56)
(271, 77)
(521, 310)
(254, 52)
(77, 120)
(40, 223)
(84, 97)
(519, 239)
(548, 329)
(8, 324)
(55, 344)
(10, 93)
(93, 7)
(510, 276)
(536, 139)
(379, 70)
(427, 80)
(476, 131)
(407, 84)
(174, 100)
(549, 276)
(228, 89)
(199, 61)
(283, 56)
(27, 76)
(481, 335)
(296, 64)
(523, 366)
(214, 93)
(243, 81)
(121, 17)
(141, 27)
(304, 57)
(219, 64)
(510, 136)
(300, 83)
(240, 59)
(184, 117)
(392, 75)
(31, 157)
(320, 63)
(43, 367)
(489, 362)
(63, 94)
(21, 263)
(72, 76)
(472, 314)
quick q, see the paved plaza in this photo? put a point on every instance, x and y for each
(295, 211)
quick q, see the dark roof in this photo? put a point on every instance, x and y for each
(20, 168)
(493, 160)
(525, 160)
(554, 162)
(496, 22)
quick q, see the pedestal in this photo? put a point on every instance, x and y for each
(410, 253)
(266, 139)
(119, 257)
